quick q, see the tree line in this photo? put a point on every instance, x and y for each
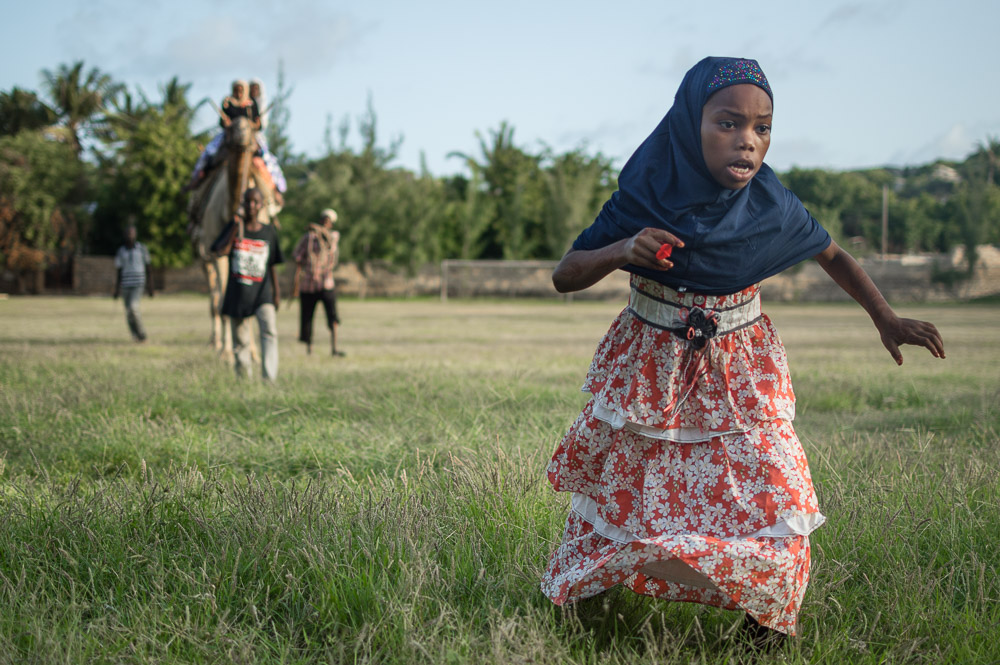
(85, 155)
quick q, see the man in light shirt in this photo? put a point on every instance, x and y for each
(132, 262)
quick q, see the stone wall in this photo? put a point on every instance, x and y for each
(909, 278)
(901, 279)
(93, 274)
(470, 279)
(96, 275)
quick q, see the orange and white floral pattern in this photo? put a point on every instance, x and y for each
(687, 454)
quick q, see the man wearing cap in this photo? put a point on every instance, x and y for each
(315, 258)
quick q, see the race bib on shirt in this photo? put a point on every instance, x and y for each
(249, 259)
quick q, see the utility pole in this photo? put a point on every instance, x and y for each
(885, 221)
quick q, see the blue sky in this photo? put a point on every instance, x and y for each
(856, 84)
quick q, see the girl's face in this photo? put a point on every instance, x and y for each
(238, 91)
(254, 90)
(736, 133)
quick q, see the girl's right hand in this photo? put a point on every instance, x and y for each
(581, 268)
(640, 250)
(897, 332)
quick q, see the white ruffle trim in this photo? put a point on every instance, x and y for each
(797, 525)
(618, 420)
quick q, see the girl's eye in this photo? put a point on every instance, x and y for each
(764, 129)
(728, 124)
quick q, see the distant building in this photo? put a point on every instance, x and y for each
(946, 173)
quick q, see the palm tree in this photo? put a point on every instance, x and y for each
(126, 111)
(78, 97)
(22, 110)
(991, 149)
(510, 177)
(175, 98)
(577, 185)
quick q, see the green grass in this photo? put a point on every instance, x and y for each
(391, 507)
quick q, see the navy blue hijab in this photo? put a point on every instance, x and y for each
(732, 238)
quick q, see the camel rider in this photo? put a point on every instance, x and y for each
(270, 161)
(239, 104)
(260, 99)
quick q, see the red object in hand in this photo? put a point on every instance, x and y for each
(664, 251)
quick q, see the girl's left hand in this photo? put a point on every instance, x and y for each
(910, 331)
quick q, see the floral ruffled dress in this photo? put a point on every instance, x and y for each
(686, 452)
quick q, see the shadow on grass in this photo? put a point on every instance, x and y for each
(986, 300)
(620, 622)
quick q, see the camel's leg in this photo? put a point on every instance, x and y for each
(214, 303)
(222, 268)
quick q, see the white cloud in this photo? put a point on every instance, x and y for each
(212, 40)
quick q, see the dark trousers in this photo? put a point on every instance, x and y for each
(132, 295)
(307, 306)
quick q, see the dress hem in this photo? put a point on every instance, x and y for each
(802, 524)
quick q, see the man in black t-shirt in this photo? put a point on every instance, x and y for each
(252, 290)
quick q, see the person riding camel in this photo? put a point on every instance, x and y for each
(266, 161)
(260, 99)
(239, 104)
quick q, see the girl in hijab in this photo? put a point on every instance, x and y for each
(267, 158)
(687, 479)
(236, 105)
(248, 101)
(239, 104)
(260, 100)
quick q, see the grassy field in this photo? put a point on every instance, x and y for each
(391, 506)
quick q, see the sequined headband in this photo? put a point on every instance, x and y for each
(739, 71)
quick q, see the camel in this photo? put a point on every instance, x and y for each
(214, 203)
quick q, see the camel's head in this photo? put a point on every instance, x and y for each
(239, 135)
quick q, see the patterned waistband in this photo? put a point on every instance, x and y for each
(695, 322)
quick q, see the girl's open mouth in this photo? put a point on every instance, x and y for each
(741, 169)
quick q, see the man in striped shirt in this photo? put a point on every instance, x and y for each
(132, 262)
